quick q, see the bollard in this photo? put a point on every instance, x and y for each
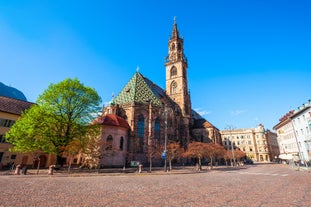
(51, 169)
(140, 168)
(18, 170)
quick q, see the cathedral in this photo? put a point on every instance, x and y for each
(144, 115)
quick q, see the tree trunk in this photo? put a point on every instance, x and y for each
(69, 165)
(170, 164)
(38, 167)
(211, 163)
(150, 163)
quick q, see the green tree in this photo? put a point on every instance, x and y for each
(62, 113)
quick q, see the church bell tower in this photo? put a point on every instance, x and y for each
(176, 73)
(177, 82)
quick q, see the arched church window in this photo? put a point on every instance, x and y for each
(121, 143)
(141, 123)
(173, 71)
(173, 46)
(109, 141)
(173, 87)
(141, 132)
(157, 129)
(179, 46)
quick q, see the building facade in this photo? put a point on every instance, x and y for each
(273, 145)
(252, 141)
(114, 136)
(10, 110)
(156, 116)
(301, 121)
(287, 138)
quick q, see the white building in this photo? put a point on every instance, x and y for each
(301, 121)
(286, 138)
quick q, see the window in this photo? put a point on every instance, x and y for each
(157, 129)
(141, 123)
(173, 71)
(141, 132)
(6, 122)
(109, 142)
(13, 157)
(173, 46)
(179, 46)
(2, 139)
(173, 87)
(121, 143)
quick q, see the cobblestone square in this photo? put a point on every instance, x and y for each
(253, 185)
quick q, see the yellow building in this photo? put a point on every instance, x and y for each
(252, 141)
(10, 110)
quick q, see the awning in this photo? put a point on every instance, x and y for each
(286, 156)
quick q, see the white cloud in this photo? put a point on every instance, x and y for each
(202, 112)
(237, 112)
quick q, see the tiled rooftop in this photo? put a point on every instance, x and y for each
(13, 106)
(112, 120)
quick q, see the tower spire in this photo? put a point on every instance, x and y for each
(175, 34)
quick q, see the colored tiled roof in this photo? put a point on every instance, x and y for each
(113, 120)
(13, 106)
(140, 90)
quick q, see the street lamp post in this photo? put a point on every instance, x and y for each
(165, 139)
(230, 129)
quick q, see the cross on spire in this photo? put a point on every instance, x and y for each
(175, 30)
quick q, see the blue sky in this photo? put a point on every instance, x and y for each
(249, 61)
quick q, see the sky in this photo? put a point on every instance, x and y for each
(249, 61)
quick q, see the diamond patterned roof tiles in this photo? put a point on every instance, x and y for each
(140, 90)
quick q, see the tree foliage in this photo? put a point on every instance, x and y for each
(196, 150)
(200, 150)
(214, 151)
(58, 121)
(174, 151)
